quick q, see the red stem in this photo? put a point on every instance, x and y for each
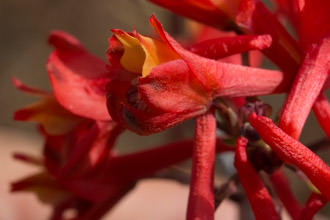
(257, 194)
(283, 191)
(140, 164)
(314, 203)
(201, 196)
(293, 152)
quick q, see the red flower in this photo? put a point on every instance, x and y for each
(176, 87)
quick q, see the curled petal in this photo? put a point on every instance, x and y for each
(307, 85)
(293, 152)
(28, 89)
(259, 198)
(77, 77)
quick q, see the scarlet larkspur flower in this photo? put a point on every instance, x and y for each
(175, 85)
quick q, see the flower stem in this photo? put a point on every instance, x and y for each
(201, 196)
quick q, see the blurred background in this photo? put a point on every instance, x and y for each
(25, 26)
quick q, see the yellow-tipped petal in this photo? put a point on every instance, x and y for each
(53, 117)
(134, 56)
(157, 52)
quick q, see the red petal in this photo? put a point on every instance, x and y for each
(293, 152)
(223, 79)
(225, 46)
(171, 88)
(32, 160)
(204, 11)
(253, 17)
(78, 78)
(307, 85)
(28, 89)
(314, 20)
(50, 115)
(257, 194)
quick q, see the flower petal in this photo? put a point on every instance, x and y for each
(225, 46)
(77, 77)
(314, 20)
(48, 113)
(254, 17)
(218, 15)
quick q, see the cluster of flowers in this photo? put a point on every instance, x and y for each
(154, 83)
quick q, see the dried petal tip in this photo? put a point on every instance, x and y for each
(261, 42)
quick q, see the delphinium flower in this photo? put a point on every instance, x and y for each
(305, 64)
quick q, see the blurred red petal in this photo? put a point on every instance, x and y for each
(77, 77)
